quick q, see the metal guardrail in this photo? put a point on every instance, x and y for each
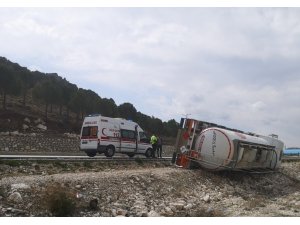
(78, 158)
(101, 158)
(290, 158)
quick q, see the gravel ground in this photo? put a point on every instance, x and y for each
(139, 189)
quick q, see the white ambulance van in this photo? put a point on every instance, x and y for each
(107, 135)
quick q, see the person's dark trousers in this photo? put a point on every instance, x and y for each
(153, 150)
(159, 151)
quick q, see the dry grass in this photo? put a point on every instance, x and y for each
(202, 212)
(60, 201)
(255, 202)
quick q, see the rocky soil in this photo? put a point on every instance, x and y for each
(137, 189)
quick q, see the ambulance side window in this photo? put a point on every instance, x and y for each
(85, 131)
(94, 131)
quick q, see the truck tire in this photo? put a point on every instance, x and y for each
(148, 153)
(110, 151)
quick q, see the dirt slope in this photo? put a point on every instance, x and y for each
(146, 190)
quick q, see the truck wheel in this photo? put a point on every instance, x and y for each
(110, 151)
(130, 154)
(148, 153)
(91, 154)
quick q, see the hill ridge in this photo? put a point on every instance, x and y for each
(54, 98)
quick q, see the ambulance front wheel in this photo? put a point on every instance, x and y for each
(148, 153)
(110, 151)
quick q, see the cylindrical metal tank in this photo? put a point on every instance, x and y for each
(219, 149)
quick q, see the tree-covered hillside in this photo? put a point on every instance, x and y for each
(50, 91)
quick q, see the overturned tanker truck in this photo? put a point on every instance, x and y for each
(216, 147)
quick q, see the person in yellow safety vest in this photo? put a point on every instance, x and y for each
(153, 141)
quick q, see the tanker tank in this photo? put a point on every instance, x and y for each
(221, 149)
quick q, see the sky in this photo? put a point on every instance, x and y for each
(237, 67)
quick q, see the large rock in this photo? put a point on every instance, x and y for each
(121, 212)
(237, 200)
(19, 186)
(178, 205)
(4, 133)
(25, 127)
(70, 135)
(18, 212)
(14, 133)
(27, 120)
(42, 127)
(168, 211)
(135, 178)
(15, 197)
(188, 206)
(39, 121)
(114, 212)
(152, 213)
(206, 198)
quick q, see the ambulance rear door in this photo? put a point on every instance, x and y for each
(89, 136)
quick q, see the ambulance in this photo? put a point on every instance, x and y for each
(100, 134)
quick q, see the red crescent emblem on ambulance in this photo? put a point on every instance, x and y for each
(103, 131)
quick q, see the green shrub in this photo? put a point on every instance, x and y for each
(13, 163)
(60, 201)
(87, 164)
(61, 164)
